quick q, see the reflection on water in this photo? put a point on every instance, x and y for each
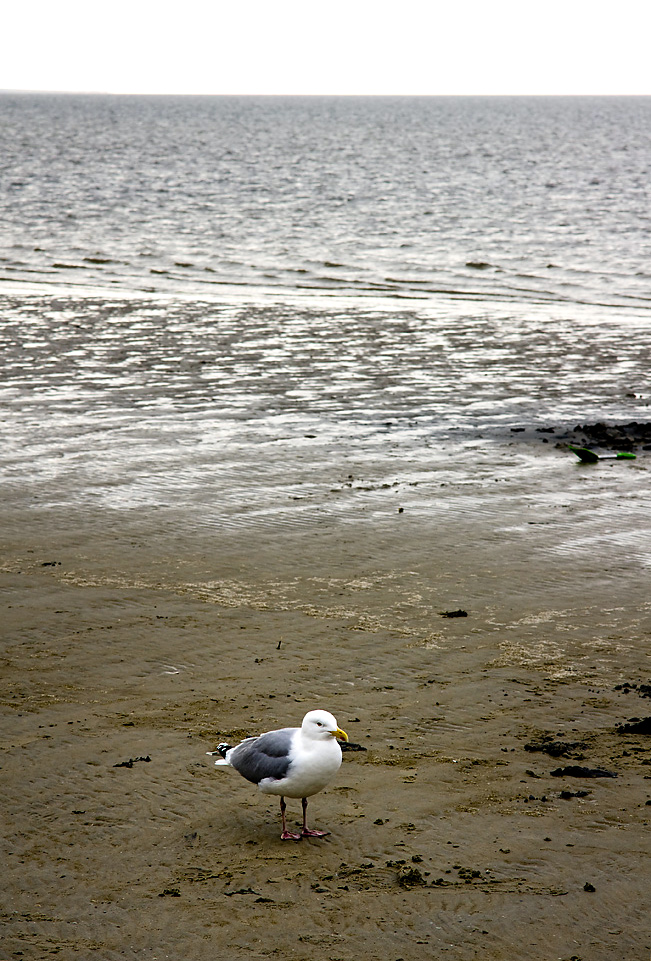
(283, 413)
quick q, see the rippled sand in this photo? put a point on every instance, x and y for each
(132, 640)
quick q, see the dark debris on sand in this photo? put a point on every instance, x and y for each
(644, 690)
(132, 761)
(630, 437)
(556, 748)
(621, 437)
(574, 770)
(636, 726)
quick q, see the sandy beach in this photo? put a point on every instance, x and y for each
(492, 807)
(287, 388)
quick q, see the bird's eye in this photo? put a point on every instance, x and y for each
(319, 723)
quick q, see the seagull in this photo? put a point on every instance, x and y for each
(292, 762)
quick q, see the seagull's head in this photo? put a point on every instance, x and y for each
(321, 725)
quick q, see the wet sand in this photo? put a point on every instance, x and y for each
(135, 646)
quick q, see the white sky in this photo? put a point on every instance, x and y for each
(330, 47)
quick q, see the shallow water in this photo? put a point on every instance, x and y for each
(285, 416)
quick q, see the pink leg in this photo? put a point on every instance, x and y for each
(286, 835)
(307, 832)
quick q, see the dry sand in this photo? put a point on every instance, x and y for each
(133, 647)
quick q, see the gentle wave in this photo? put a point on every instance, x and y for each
(532, 200)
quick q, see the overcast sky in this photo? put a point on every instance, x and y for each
(333, 47)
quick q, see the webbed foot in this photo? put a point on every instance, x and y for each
(288, 836)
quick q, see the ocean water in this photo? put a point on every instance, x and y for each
(525, 199)
(236, 308)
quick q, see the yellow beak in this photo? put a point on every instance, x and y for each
(340, 734)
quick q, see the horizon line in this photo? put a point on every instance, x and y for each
(113, 93)
(18, 91)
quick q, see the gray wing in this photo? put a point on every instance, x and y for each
(266, 756)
